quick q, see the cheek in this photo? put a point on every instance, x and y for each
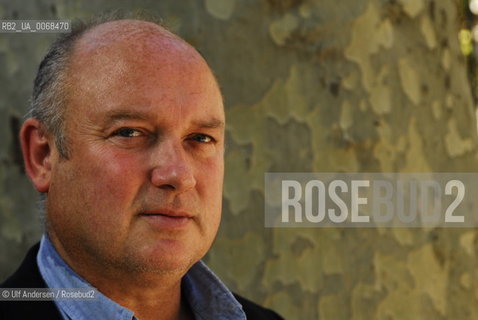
(209, 185)
(96, 189)
(114, 175)
(210, 175)
(100, 188)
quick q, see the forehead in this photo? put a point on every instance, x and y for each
(137, 63)
(129, 48)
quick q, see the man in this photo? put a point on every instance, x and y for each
(126, 143)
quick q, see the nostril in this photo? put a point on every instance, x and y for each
(167, 187)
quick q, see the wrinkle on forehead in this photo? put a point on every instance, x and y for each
(134, 32)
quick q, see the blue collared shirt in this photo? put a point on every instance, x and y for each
(208, 297)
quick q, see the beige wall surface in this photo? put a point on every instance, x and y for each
(309, 86)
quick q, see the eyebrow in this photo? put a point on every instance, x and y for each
(210, 124)
(116, 115)
(125, 115)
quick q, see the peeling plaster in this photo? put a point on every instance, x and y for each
(346, 116)
(467, 242)
(350, 81)
(416, 160)
(409, 80)
(380, 99)
(305, 10)
(220, 9)
(281, 29)
(413, 7)
(403, 236)
(241, 257)
(307, 266)
(431, 278)
(465, 281)
(436, 110)
(369, 34)
(428, 32)
(332, 307)
(446, 60)
(456, 145)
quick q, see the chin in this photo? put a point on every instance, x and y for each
(160, 260)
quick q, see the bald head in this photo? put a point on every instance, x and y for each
(132, 37)
(121, 48)
(130, 31)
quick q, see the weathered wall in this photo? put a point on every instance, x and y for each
(310, 85)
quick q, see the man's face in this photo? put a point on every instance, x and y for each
(141, 189)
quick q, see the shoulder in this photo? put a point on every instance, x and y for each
(255, 311)
(27, 276)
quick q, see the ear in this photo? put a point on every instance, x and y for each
(36, 149)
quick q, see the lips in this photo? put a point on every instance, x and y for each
(167, 219)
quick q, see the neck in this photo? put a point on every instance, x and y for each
(149, 295)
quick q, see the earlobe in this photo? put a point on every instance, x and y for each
(36, 149)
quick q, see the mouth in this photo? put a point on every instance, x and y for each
(166, 219)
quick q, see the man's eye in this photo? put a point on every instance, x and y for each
(127, 133)
(203, 138)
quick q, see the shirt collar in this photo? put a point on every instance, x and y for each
(208, 297)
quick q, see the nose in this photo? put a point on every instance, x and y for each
(171, 168)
